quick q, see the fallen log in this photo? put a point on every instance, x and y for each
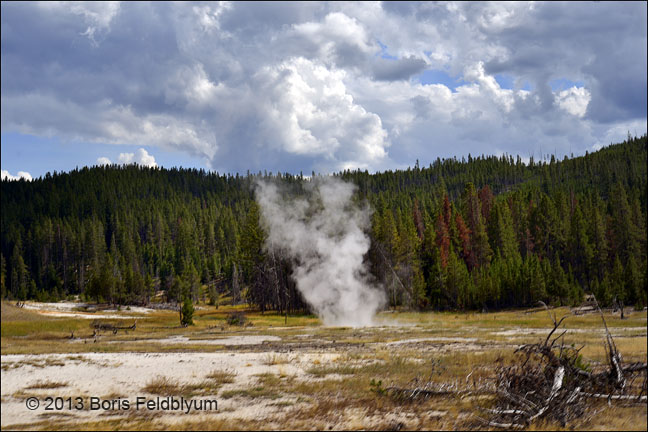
(638, 398)
(100, 326)
(549, 381)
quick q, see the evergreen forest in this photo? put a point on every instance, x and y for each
(480, 233)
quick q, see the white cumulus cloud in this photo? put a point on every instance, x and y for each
(140, 157)
(307, 85)
(6, 175)
(312, 113)
(574, 100)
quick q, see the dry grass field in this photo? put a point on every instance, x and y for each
(275, 373)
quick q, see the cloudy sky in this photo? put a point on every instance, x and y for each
(232, 87)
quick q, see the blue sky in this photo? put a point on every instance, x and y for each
(316, 86)
(39, 155)
(435, 76)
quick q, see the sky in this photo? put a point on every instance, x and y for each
(300, 87)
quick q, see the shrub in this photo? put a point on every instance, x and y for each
(186, 312)
(236, 319)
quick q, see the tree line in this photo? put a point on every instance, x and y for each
(479, 233)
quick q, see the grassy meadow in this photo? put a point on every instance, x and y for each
(278, 373)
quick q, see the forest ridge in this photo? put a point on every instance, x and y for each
(482, 233)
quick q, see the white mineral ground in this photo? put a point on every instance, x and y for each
(125, 374)
(72, 310)
(109, 375)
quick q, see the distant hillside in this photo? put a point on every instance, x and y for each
(482, 232)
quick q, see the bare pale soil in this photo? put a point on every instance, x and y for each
(275, 374)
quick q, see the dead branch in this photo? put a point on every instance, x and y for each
(501, 425)
(549, 381)
(637, 398)
(635, 367)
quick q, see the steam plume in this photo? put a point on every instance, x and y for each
(324, 232)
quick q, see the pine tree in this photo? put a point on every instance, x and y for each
(252, 256)
(546, 228)
(19, 273)
(462, 242)
(187, 311)
(443, 240)
(418, 220)
(176, 289)
(480, 249)
(487, 199)
(3, 277)
(431, 265)
(580, 249)
(604, 293)
(626, 234)
(501, 232)
(632, 279)
(532, 282)
(558, 286)
(458, 283)
(599, 244)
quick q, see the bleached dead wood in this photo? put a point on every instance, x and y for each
(638, 398)
(549, 382)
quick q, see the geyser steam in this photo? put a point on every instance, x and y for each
(324, 232)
